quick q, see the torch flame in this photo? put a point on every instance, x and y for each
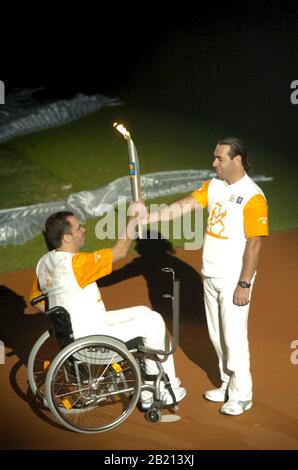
(120, 128)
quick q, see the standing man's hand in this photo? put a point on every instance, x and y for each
(241, 296)
(137, 209)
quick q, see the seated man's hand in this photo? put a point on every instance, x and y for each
(138, 210)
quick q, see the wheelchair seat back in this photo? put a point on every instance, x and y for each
(61, 324)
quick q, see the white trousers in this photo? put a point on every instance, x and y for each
(129, 323)
(227, 325)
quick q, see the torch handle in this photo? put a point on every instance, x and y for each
(134, 171)
(134, 174)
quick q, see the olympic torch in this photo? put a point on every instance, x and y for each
(134, 168)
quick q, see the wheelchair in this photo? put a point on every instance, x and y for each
(93, 384)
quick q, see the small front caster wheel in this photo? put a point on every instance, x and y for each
(153, 415)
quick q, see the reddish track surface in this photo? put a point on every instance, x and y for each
(271, 424)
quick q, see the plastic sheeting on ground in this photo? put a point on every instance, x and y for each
(22, 114)
(18, 225)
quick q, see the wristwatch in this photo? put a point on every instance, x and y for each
(244, 284)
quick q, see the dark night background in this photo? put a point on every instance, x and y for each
(227, 65)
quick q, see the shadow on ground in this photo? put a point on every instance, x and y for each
(156, 253)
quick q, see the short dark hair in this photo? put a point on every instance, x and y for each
(237, 148)
(56, 226)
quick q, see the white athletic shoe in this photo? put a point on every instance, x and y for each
(176, 382)
(145, 394)
(235, 407)
(165, 397)
(218, 394)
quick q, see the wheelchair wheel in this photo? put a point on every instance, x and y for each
(93, 384)
(41, 356)
(153, 415)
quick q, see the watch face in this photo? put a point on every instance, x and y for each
(244, 284)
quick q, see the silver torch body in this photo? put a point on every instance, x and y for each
(134, 169)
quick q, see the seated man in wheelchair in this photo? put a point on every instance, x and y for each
(68, 277)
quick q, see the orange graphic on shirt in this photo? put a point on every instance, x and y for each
(216, 225)
(48, 283)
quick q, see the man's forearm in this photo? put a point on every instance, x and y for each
(250, 258)
(121, 247)
(123, 243)
(173, 211)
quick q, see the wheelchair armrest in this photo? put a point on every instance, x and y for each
(154, 352)
(135, 343)
(38, 299)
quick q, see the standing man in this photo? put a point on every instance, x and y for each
(238, 219)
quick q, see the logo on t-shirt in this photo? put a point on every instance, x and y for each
(237, 199)
(48, 283)
(215, 223)
(263, 220)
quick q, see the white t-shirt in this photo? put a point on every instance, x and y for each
(69, 281)
(236, 212)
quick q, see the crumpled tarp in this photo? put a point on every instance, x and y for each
(18, 225)
(22, 114)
